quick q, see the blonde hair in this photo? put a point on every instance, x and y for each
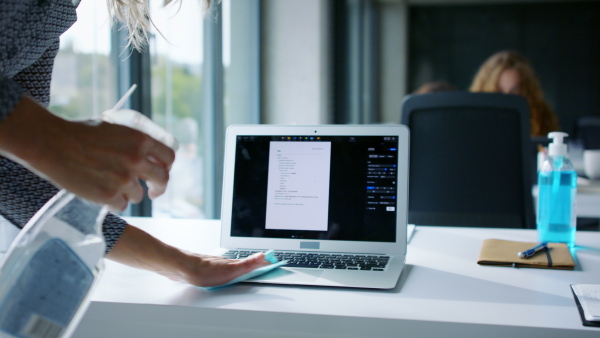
(135, 15)
(542, 118)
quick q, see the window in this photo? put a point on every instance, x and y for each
(182, 76)
(176, 53)
(84, 76)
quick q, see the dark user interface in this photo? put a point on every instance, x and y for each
(316, 187)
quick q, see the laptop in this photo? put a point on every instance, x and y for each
(329, 199)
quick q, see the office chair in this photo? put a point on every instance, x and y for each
(470, 160)
(588, 130)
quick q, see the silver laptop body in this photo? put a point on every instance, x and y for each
(322, 191)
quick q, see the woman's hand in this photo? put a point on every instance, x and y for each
(139, 249)
(205, 270)
(96, 160)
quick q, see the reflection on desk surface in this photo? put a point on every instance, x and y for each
(585, 185)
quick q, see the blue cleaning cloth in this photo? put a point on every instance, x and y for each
(269, 256)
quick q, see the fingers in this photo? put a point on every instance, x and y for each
(258, 259)
(151, 164)
(133, 192)
(118, 203)
(129, 193)
(156, 176)
(159, 160)
(252, 262)
(145, 158)
(207, 271)
(160, 154)
(234, 268)
(104, 162)
(154, 191)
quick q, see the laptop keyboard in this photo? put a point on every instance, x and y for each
(322, 260)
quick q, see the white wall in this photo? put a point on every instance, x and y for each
(295, 71)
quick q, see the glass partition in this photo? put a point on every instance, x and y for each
(83, 77)
(176, 52)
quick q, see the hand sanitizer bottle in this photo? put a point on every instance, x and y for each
(557, 183)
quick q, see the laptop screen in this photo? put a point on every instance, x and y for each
(315, 187)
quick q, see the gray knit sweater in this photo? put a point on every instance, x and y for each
(29, 39)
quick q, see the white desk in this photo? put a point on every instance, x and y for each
(442, 292)
(588, 199)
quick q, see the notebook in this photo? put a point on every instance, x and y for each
(329, 199)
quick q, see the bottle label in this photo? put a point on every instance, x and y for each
(556, 206)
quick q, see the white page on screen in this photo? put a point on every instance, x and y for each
(298, 185)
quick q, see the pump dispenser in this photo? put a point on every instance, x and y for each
(557, 183)
(557, 147)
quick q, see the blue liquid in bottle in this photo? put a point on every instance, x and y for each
(557, 182)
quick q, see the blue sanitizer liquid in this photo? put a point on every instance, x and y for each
(556, 206)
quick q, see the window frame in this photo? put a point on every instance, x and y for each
(136, 68)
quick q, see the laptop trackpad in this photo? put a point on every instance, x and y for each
(291, 276)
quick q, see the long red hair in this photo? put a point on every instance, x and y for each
(542, 118)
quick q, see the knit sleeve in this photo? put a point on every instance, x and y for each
(10, 94)
(29, 40)
(22, 194)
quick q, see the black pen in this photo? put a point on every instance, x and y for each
(532, 251)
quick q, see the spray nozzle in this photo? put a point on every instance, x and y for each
(557, 147)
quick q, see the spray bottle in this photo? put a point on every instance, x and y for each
(557, 183)
(50, 269)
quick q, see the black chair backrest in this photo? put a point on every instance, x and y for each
(588, 130)
(470, 160)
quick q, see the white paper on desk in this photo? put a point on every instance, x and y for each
(410, 229)
(589, 298)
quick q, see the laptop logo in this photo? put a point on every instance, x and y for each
(310, 245)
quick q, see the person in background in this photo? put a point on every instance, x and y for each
(434, 87)
(509, 72)
(99, 161)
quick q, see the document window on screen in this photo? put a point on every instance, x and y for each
(322, 187)
(298, 186)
